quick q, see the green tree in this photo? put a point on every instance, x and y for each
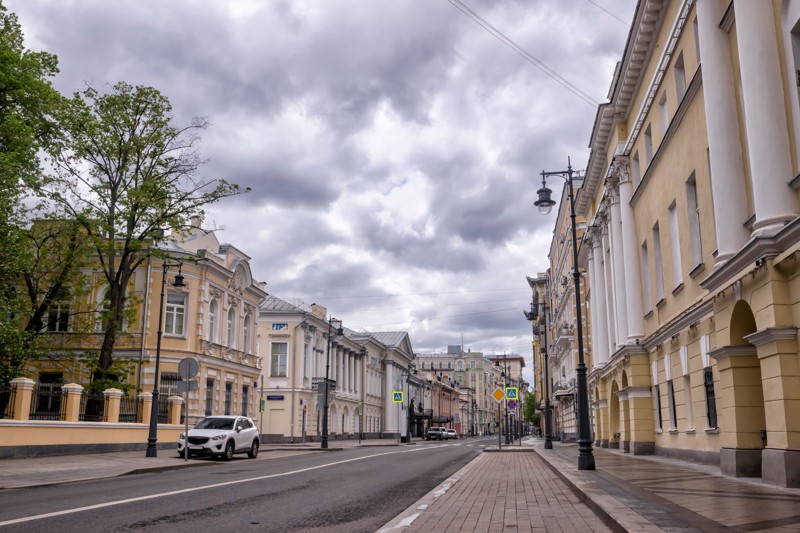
(28, 103)
(529, 409)
(127, 174)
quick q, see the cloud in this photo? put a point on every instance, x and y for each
(393, 149)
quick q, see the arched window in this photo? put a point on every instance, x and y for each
(213, 312)
(246, 345)
(231, 328)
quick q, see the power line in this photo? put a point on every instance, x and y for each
(439, 318)
(524, 53)
(607, 11)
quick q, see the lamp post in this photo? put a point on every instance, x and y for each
(152, 436)
(411, 368)
(545, 203)
(505, 376)
(339, 331)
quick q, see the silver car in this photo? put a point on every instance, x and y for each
(222, 436)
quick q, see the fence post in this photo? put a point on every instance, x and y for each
(72, 401)
(146, 399)
(175, 405)
(111, 411)
(23, 393)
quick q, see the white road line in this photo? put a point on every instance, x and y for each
(192, 489)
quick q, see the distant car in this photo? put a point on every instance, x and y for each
(437, 433)
(451, 434)
(222, 436)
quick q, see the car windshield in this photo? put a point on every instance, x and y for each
(215, 423)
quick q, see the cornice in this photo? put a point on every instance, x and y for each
(678, 324)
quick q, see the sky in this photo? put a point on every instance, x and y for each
(393, 149)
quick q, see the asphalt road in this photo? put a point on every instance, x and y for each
(354, 490)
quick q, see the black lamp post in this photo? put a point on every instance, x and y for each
(152, 436)
(327, 383)
(545, 203)
(411, 368)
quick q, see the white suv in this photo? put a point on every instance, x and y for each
(222, 436)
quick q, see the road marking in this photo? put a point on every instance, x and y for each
(192, 489)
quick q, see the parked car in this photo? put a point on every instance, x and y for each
(222, 436)
(451, 434)
(435, 434)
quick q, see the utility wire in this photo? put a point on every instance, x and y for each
(608, 12)
(439, 318)
(524, 53)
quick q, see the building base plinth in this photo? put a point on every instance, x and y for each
(740, 462)
(781, 468)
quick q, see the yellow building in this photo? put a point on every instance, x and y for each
(693, 233)
(211, 319)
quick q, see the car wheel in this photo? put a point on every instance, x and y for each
(228, 455)
(253, 450)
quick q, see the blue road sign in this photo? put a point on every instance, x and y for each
(397, 396)
(511, 393)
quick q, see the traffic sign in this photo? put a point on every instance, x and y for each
(397, 396)
(185, 386)
(498, 395)
(512, 404)
(511, 393)
(188, 367)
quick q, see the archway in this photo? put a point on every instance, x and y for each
(614, 416)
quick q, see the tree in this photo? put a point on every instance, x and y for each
(126, 174)
(529, 409)
(28, 103)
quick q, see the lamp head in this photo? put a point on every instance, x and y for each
(178, 279)
(544, 203)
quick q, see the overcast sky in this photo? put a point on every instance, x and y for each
(393, 148)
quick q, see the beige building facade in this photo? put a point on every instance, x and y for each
(692, 239)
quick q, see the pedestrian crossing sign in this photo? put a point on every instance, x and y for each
(397, 396)
(511, 393)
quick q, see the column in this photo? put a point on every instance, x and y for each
(618, 265)
(113, 398)
(610, 295)
(599, 278)
(593, 300)
(765, 117)
(23, 396)
(724, 148)
(630, 252)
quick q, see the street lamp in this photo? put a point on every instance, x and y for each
(327, 383)
(545, 203)
(411, 368)
(152, 436)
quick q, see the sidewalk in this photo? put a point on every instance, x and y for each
(529, 488)
(38, 471)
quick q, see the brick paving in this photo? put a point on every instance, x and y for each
(501, 492)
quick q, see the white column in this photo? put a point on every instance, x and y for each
(767, 130)
(610, 295)
(724, 147)
(630, 252)
(618, 266)
(601, 321)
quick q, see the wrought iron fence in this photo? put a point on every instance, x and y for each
(92, 407)
(129, 409)
(46, 402)
(168, 387)
(6, 401)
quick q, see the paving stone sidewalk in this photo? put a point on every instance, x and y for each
(500, 492)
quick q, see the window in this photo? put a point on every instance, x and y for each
(231, 328)
(472, 364)
(673, 412)
(213, 319)
(245, 399)
(659, 265)
(246, 345)
(58, 316)
(637, 169)
(648, 145)
(663, 113)
(687, 398)
(675, 246)
(659, 420)
(209, 396)
(105, 315)
(278, 359)
(449, 365)
(694, 221)
(175, 314)
(711, 403)
(680, 77)
(228, 397)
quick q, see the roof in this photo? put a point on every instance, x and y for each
(392, 339)
(273, 303)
